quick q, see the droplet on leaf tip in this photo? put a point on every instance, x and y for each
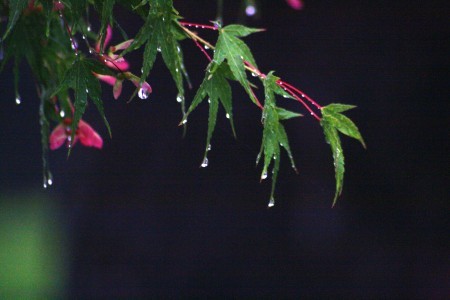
(180, 98)
(271, 202)
(204, 162)
(143, 93)
(227, 115)
(18, 100)
(264, 176)
(208, 148)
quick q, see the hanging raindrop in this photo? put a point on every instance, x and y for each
(206, 47)
(143, 93)
(18, 100)
(208, 148)
(158, 49)
(264, 176)
(184, 121)
(205, 162)
(62, 114)
(209, 100)
(89, 28)
(87, 91)
(180, 98)
(227, 115)
(271, 202)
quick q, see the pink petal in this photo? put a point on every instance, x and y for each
(88, 136)
(121, 46)
(144, 86)
(117, 89)
(57, 137)
(295, 4)
(107, 39)
(111, 80)
(119, 64)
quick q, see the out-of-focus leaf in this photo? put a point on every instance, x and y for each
(15, 10)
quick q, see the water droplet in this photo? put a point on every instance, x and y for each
(209, 100)
(45, 184)
(285, 96)
(87, 91)
(62, 114)
(163, 18)
(206, 47)
(242, 57)
(49, 181)
(204, 162)
(264, 176)
(91, 51)
(158, 49)
(274, 157)
(180, 98)
(271, 202)
(227, 115)
(89, 28)
(178, 49)
(142, 70)
(254, 74)
(303, 95)
(84, 37)
(208, 148)
(176, 70)
(143, 93)
(184, 121)
(250, 10)
(18, 100)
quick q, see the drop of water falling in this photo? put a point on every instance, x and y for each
(264, 176)
(250, 10)
(204, 162)
(143, 93)
(271, 202)
(180, 98)
(227, 115)
(18, 100)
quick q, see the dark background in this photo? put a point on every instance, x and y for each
(141, 218)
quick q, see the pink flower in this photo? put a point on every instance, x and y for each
(295, 4)
(112, 60)
(144, 88)
(87, 136)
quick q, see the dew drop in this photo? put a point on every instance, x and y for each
(285, 96)
(176, 70)
(264, 176)
(180, 98)
(178, 49)
(142, 70)
(143, 93)
(254, 74)
(250, 10)
(62, 114)
(271, 202)
(84, 37)
(206, 47)
(208, 148)
(303, 95)
(87, 91)
(227, 115)
(184, 121)
(89, 28)
(209, 100)
(204, 162)
(18, 100)
(158, 49)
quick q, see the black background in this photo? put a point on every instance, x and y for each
(143, 219)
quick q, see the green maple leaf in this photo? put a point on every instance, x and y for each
(215, 88)
(332, 123)
(15, 10)
(106, 19)
(80, 78)
(231, 48)
(158, 36)
(274, 134)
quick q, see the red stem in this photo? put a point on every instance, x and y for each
(202, 49)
